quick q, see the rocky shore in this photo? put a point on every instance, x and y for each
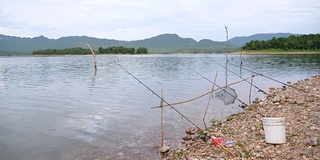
(246, 135)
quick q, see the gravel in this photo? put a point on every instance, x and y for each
(301, 110)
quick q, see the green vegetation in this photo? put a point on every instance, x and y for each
(83, 51)
(122, 50)
(215, 122)
(292, 43)
(69, 51)
(142, 50)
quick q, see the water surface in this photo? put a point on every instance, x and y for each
(59, 108)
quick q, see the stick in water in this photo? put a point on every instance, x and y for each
(94, 57)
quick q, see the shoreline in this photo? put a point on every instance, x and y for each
(270, 52)
(301, 111)
(232, 53)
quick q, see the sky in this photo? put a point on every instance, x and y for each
(141, 19)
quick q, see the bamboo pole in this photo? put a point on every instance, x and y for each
(250, 90)
(161, 119)
(227, 42)
(192, 99)
(241, 58)
(205, 113)
(94, 57)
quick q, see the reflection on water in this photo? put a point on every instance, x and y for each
(59, 108)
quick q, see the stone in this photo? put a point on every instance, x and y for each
(253, 128)
(191, 130)
(272, 88)
(309, 83)
(300, 102)
(313, 141)
(187, 138)
(283, 98)
(276, 99)
(164, 149)
(278, 152)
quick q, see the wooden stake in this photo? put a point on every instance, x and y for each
(205, 113)
(250, 90)
(94, 57)
(227, 42)
(161, 104)
(241, 58)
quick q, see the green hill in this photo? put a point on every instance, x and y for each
(165, 43)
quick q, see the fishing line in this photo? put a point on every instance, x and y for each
(272, 79)
(259, 89)
(157, 95)
(214, 84)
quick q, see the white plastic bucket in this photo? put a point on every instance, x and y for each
(274, 129)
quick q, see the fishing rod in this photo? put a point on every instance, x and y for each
(241, 77)
(215, 84)
(162, 99)
(272, 79)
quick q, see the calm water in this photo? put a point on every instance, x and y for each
(58, 108)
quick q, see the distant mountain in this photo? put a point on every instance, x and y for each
(241, 41)
(164, 43)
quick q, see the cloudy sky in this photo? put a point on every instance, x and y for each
(140, 19)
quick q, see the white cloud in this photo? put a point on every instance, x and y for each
(139, 19)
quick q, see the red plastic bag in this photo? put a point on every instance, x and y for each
(217, 141)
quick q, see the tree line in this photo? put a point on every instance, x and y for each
(303, 42)
(122, 50)
(71, 51)
(84, 51)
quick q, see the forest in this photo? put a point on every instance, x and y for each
(84, 51)
(303, 42)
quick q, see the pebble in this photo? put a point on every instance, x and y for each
(276, 99)
(300, 102)
(271, 87)
(278, 152)
(164, 149)
(191, 130)
(187, 138)
(313, 141)
(253, 128)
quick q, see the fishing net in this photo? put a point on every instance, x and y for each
(227, 95)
